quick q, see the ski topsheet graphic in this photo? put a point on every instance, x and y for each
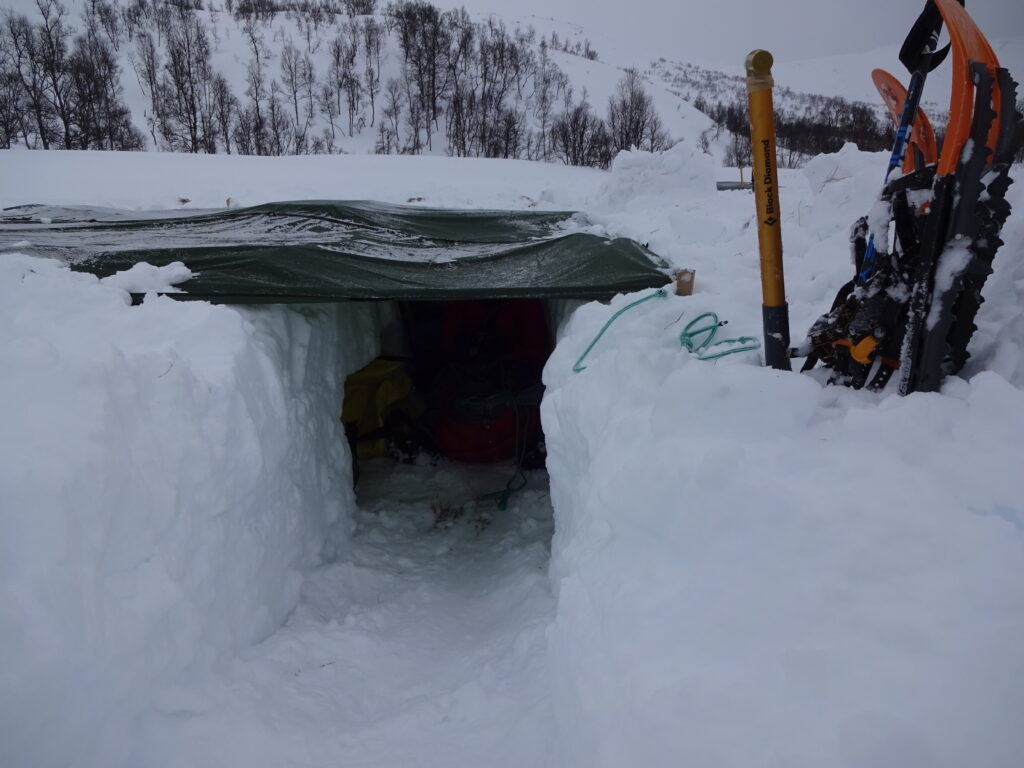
(911, 305)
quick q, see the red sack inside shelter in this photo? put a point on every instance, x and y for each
(487, 387)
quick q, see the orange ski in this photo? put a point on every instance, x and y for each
(922, 137)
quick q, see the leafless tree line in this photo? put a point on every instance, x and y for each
(464, 87)
(494, 93)
(60, 88)
(821, 124)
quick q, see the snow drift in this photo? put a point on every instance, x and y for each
(747, 578)
(753, 569)
(168, 472)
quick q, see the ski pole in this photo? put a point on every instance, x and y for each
(919, 66)
(775, 311)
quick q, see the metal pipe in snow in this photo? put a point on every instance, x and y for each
(766, 199)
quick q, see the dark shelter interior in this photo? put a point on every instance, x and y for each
(467, 388)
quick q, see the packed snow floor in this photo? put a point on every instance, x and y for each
(424, 648)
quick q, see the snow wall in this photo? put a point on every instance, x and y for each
(753, 569)
(169, 472)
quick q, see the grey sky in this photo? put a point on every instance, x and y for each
(723, 31)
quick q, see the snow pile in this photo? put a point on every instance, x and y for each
(840, 183)
(841, 187)
(639, 179)
(756, 570)
(145, 278)
(665, 200)
(168, 471)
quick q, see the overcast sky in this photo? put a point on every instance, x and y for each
(723, 31)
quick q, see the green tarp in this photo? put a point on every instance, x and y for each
(331, 251)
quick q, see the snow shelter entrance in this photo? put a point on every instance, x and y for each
(472, 291)
(456, 379)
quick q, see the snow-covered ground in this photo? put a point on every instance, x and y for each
(748, 568)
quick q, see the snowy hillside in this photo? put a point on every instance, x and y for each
(354, 77)
(748, 568)
(850, 75)
(836, 91)
(847, 76)
(361, 76)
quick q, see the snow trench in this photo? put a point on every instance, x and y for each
(188, 579)
(748, 568)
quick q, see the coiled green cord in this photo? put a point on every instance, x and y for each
(688, 339)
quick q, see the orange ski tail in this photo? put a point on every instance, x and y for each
(922, 137)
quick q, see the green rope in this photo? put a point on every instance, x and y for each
(688, 339)
(514, 485)
(660, 293)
